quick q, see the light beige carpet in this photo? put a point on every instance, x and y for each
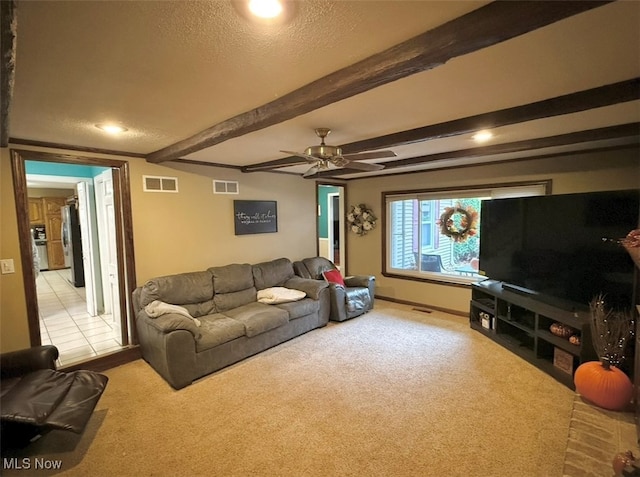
(395, 392)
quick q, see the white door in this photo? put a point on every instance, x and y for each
(105, 212)
(331, 216)
(90, 259)
(335, 211)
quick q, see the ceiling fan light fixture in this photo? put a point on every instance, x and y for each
(324, 156)
(111, 128)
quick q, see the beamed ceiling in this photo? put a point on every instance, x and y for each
(200, 82)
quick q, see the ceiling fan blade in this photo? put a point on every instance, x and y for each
(303, 155)
(359, 156)
(311, 172)
(320, 165)
(365, 166)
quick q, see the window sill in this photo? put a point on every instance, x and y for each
(447, 279)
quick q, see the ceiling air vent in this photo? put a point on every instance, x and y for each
(159, 184)
(226, 187)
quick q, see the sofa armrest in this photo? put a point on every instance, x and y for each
(172, 354)
(368, 281)
(338, 298)
(311, 287)
(359, 281)
(18, 363)
(171, 322)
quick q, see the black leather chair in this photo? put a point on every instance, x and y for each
(349, 301)
(36, 398)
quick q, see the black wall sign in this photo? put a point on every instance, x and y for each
(255, 216)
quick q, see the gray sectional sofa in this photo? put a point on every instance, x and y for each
(203, 321)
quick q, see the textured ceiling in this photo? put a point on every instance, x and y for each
(168, 70)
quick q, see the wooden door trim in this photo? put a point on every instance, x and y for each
(126, 257)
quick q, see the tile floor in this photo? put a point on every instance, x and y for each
(65, 323)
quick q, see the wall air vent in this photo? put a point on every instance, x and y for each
(159, 184)
(226, 187)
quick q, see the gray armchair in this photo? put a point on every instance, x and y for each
(353, 299)
(35, 398)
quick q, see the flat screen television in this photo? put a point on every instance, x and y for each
(552, 246)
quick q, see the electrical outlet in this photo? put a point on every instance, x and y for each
(6, 266)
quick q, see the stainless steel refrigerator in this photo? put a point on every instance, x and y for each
(72, 244)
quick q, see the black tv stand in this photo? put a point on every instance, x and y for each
(521, 323)
(517, 289)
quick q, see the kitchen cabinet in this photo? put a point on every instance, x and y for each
(52, 205)
(36, 215)
(53, 222)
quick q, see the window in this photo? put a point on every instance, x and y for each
(416, 245)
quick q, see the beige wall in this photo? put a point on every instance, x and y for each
(175, 232)
(14, 331)
(580, 173)
(193, 229)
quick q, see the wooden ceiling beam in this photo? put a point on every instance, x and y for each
(488, 25)
(8, 24)
(592, 135)
(601, 96)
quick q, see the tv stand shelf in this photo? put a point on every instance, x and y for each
(521, 323)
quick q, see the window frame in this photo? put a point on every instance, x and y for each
(436, 277)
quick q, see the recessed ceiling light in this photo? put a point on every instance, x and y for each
(482, 136)
(265, 8)
(111, 128)
(266, 12)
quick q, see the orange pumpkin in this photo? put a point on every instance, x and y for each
(603, 385)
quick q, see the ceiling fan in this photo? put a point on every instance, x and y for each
(323, 155)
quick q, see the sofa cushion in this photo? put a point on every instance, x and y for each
(317, 265)
(232, 278)
(172, 322)
(300, 308)
(227, 301)
(272, 274)
(181, 289)
(217, 329)
(301, 270)
(200, 309)
(258, 317)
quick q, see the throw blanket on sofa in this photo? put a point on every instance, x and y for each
(275, 295)
(157, 308)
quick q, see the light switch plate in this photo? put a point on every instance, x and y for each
(7, 266)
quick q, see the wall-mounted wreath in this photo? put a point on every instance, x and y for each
(459, 223)
(361, 219)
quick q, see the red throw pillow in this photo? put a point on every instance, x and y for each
(333, 276)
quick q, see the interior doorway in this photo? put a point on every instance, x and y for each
(84, 322)
(331, 223)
